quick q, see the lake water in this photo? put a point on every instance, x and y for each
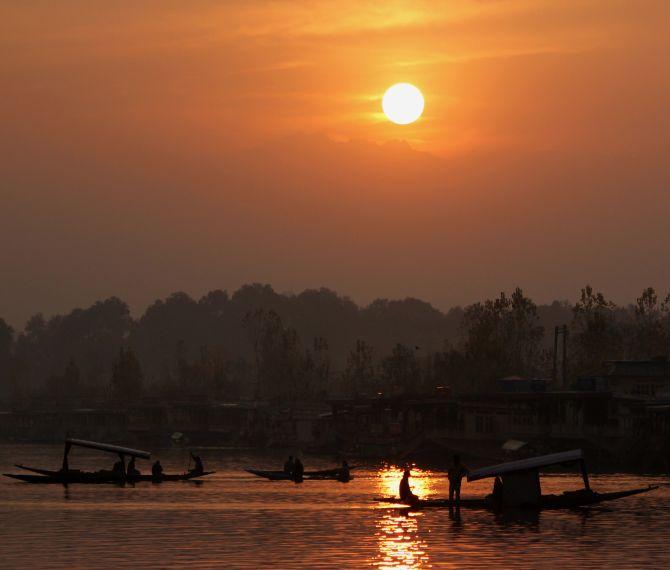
(235, 520)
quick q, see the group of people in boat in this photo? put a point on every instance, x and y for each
(455, 475)
(294, 468)
(131, 471)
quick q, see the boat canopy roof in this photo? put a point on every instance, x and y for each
(108, 447)
(524, 464)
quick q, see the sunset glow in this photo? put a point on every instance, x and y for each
(315, 284)
(236, 129)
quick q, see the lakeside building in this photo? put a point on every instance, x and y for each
(624, 411)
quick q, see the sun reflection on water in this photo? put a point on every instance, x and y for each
(423, 483)
(400, 546)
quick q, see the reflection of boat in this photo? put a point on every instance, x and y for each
(325, 474)
(66, 475)
(519, 487)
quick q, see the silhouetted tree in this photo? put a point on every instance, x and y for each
(449, 368)
(66, 386)
(594, 335)
(186, 346)
(401, 371)
(317, 364)
(648, 335)
(278, 357)
(502, 336)
(90, 336)
(127, 376)
(359, 374)
(6, 350)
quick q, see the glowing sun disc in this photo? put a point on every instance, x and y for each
(402, 103)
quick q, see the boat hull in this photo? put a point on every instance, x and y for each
(73, 476)
(326, 475)
(568, 500)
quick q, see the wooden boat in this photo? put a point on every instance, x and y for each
(567, 500)
(520, 488)
(102, 476)
(66, 475)
(325, 474)
(271, 475)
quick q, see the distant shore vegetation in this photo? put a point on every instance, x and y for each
(259, 344)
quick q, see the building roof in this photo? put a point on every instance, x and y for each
(657, 367)
(514, 379)
(524, 464)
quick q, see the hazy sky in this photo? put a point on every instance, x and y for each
(154, 146)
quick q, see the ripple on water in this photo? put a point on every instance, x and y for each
(239, 521)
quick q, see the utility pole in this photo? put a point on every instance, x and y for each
(565, 357)
(561, 331)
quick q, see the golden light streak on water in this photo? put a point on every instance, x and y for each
(235, 520)
(424, 483)
(400, 546)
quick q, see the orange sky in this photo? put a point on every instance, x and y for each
(152, 146)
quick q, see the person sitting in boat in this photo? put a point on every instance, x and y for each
(455, 474)
(405, 491)
(197, 468)
(157, 470)
(344, 474)
(131, 470)
(289, 465)
(298, 470)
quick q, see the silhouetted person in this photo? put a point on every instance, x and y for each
(289, 465)
(298, 470)
(497, 495)
(197, 468)
(131, 470)
(456, 473)
(118, 470)
(344, 474)
(405, 490)
(157, 471)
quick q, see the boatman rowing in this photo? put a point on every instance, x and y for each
(198, 469)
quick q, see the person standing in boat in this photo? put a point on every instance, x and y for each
(455, 474)
(197, 468)
(131, 470)
(405, 491)
(289, 466)
(344, 473)
(298, 470)
(497, 495)
(118, 470)
(157, 471)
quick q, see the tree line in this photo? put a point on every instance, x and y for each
(257, 343)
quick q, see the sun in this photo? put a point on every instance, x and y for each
(402, 103)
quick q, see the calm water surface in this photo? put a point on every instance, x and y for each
(236, 520)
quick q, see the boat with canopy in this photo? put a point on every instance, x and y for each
(518, 486)
(65, 475)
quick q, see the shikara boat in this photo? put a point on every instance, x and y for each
(325, 474)
(66, 475)
(519, 487)
(75, 476)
